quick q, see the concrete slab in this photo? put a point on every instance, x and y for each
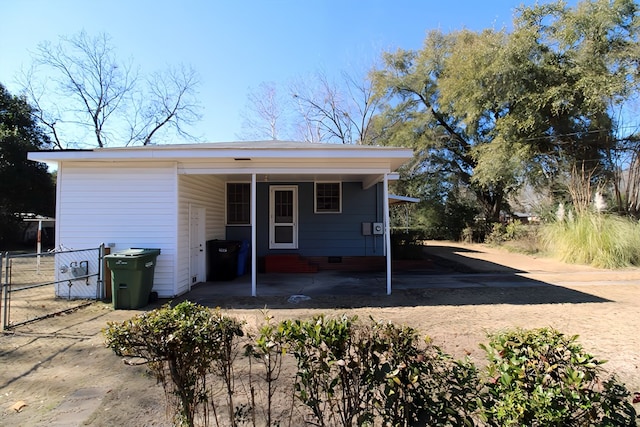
(447, 265)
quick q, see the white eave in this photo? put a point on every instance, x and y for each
(260, 157)
(259, 149)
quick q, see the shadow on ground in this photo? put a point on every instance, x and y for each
(443, 277)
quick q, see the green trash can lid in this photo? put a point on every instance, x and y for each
(132, 252)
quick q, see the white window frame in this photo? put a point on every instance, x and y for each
(226, 204)
(315, 197)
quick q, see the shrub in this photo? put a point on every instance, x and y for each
(422, 385)
(180, 345)
(407, 245)
(515, 237)
(349, 373)
(501, 233)
(544, 378)
(268, 348)
(332, 370)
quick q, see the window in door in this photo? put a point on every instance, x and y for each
(283, 217)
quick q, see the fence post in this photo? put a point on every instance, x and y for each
(100, 291)
(3, 291)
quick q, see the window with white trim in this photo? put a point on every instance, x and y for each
(328, 197)
(238, 203)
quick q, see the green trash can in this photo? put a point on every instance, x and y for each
(132, 277)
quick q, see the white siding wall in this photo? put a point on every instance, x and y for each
(130, 205)
(205, 191)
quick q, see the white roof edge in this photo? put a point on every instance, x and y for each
(225, 151)
(249, 145)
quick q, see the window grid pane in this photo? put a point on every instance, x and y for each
(328, 197)
(238, 203)
(284, 207)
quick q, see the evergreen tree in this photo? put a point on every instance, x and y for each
(25, 186)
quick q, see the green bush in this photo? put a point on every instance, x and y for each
(353, 373)
(407, 245)
(334, 369)
(268, 348)
(515, 237)
(350, 372)
(180, 345)
(501, 233)
(422, 385)
(544, 378)
(600, 240)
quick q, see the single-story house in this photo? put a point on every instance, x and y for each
(326, 203)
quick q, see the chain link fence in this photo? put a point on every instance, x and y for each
(40, 285)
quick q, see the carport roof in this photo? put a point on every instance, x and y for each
(236, 151)
(269, 160)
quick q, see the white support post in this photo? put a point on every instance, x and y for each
(254, 258)
(387, 230)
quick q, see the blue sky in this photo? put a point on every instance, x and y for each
(236, 45)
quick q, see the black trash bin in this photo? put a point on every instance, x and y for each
(222, 259)
(132, 277)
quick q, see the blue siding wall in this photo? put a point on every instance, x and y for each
(238, 232)
(323, 234)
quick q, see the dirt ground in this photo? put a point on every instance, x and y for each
(57, 372)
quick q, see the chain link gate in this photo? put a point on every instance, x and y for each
(40, 285)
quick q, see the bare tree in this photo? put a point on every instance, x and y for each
(336, 113)
(319, 110)
(265, 114)
(79, 82)
(306, 129)
(47, 117)
(581, 185)
(169, 102)
(626, 176)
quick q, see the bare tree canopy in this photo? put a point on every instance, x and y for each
(265, 115)
(316, 109)
(79, 83)
(335, 112)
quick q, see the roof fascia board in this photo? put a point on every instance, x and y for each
(222, 153)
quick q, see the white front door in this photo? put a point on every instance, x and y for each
(283, 217)
(197, 264)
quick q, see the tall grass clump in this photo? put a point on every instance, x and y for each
(595, 239)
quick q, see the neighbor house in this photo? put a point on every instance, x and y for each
(295, 205)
